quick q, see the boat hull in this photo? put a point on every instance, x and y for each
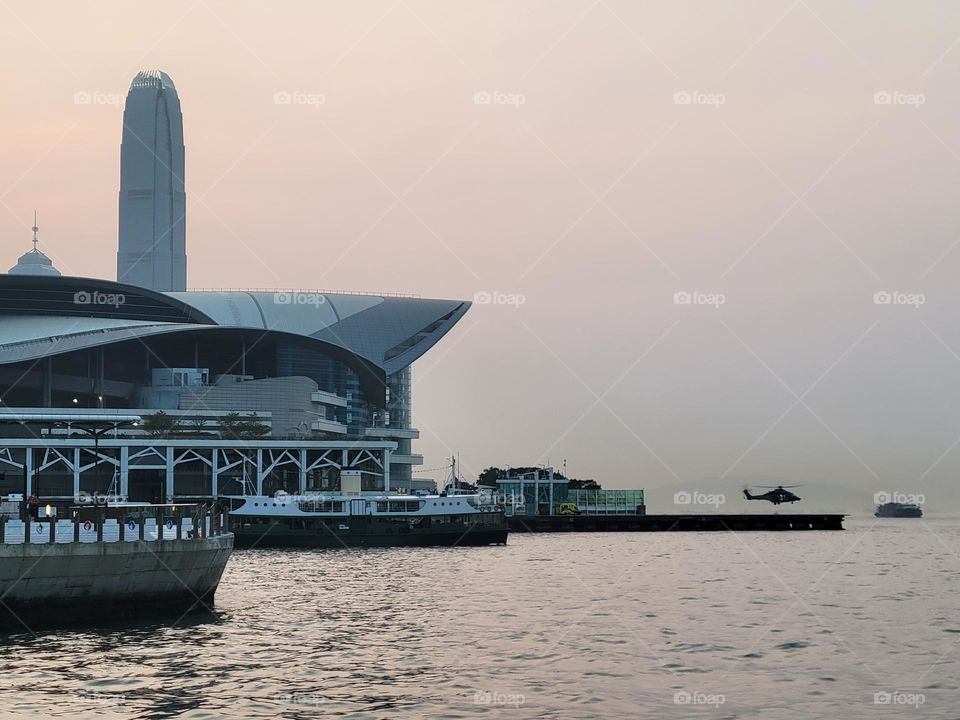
(277, 534)
(898, 510)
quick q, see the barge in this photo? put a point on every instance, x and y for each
(741, 522)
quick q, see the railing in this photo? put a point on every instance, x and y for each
(147, 523)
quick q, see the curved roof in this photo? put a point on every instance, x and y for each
(389, 331)
(44, 315)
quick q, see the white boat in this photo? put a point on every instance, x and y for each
(325, 520)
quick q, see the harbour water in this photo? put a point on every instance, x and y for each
(861, 623)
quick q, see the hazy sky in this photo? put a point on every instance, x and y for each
(785, 187)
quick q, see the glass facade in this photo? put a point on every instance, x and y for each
(532, 496)
(607, 502)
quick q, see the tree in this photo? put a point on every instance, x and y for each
(234, 426)
(584, 485)
(160, 424)
(195, 426)
(490, 476)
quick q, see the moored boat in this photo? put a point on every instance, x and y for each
(320, 520)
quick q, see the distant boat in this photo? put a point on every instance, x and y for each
(898, 510)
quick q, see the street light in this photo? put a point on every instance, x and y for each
(97, 432)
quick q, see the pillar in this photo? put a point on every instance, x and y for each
(386, 469)
(125, 471)
(170, 468)
(303, 471)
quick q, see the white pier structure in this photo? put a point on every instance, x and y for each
(166, 470)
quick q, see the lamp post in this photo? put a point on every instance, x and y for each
(97, 433)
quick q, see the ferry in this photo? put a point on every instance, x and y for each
(898, 510)
(321, 520)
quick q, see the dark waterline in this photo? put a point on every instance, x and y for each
(747, 625)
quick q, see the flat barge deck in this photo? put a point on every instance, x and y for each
(674, 523)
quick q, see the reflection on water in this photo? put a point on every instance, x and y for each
(862, 623)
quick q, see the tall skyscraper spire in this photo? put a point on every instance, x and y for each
(152, 251)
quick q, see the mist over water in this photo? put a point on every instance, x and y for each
(581, 625)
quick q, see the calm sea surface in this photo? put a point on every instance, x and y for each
(672, 625)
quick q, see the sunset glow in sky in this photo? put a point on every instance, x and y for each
(718, 240)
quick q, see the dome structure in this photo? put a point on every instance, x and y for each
(34, 262)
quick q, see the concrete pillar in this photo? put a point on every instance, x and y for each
(259, 471)
(77, 460)
(125, 471)
(303, 470)
(28, 469)
(386, 469)
(170, 466)
(214, 473)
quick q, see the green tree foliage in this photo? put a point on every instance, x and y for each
(492, 474)
(584, 485)
(160, 424)
(233, 426)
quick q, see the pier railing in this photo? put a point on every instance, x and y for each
(111, 524)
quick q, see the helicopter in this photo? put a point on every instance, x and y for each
(776, 495)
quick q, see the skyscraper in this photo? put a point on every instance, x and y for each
(152, 252)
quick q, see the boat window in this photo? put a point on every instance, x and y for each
(317, 506)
